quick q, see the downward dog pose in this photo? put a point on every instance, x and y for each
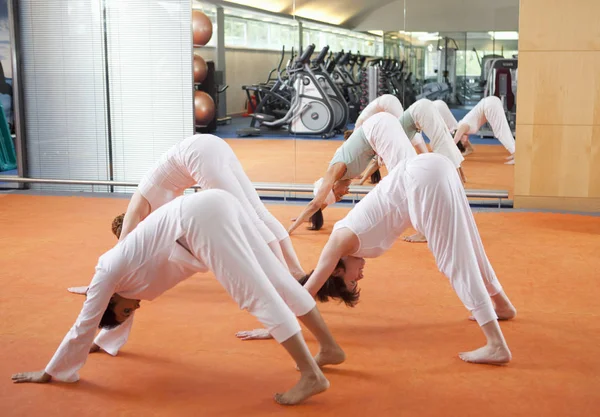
(423, 116)
(206, 231)
(446, 114)
(340, 188)
(210, 162)
(427, 192)
(387, 103)
(487, 110)
(380, 134)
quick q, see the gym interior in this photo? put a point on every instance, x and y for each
(94, 92)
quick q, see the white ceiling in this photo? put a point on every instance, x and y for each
(388, 15)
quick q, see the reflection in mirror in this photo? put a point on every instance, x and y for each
(8, 145)
(334, 77)
(258, 49)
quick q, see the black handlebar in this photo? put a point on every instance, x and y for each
(345, 59)
(305, 58)
(321, 58)
(338, 56)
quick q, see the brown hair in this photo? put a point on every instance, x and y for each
(347, 134)
(117, 225)
(335, 288)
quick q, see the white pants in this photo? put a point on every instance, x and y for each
(427, 118)
(490, 110)
(438, 208)
(387, 138)
(386, 103)
(213, 164)
(221, 235)
(446, 114)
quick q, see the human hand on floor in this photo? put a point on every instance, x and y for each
(78, 290)
(256, 334)
(39, 377)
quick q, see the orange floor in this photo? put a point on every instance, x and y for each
(402, 340)
(304, 161)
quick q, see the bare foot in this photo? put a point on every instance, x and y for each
(308, 386)
(78, 290)
(416, 238)
(330, 357)
(493, 355)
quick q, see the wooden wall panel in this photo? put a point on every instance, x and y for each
(247, 67)
(558, 112)
(559, 25)
(523, 159)
(559, 88)
(594, 184)
(578, 204)
(555, 161)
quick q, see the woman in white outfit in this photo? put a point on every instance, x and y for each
(382, 135)
(488, 110)
(210, 162)
(422, 116)
(446, 114)
(195, 233)
(427, 192)
(387, 103)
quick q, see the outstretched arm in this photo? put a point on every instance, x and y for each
(334, 173)
(371, 168)
(137, 210)
(463, 129)
(72, 352)
(112, 340)
(342, 242)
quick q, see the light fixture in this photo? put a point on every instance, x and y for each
(424, 37)
(504, 36)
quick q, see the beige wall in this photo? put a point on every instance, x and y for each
(246, 67)
(558, 115)
(243, 67)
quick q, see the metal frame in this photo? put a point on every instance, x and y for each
(18, 109)
(289, 190)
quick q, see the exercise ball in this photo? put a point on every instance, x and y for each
(200, 69)
(204, 108)
(201, 27)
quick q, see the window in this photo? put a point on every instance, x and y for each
(211, 12)
(235, 32)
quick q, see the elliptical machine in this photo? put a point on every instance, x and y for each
(340, 107)
(311, 111)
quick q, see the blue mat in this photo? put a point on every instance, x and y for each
(228, 131)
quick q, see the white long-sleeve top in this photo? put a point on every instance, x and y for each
(379, 218)
(148, 262)
(386, 103)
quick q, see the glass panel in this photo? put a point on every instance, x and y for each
(8, 154)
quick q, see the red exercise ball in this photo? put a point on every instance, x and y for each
(200, 69)
(201, 28)
(204, 108)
